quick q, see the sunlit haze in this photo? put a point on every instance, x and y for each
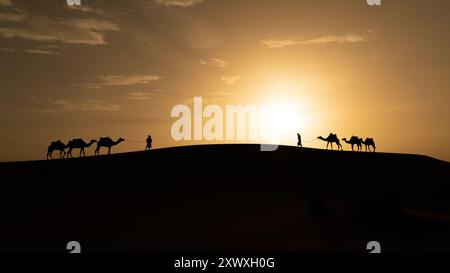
(117, 68)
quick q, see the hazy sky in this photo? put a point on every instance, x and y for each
(116, 68)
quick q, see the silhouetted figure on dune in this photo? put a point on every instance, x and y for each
(369, 142)
(79, 144)
(149, 143)
(299, 140)
(108, 143)
(332, 138)
(354, 140)
(56, 146)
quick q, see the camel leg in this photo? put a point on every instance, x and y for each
(109, 150)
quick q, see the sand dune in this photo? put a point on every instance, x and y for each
(227, 198)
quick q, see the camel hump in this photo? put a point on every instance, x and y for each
(75, 140)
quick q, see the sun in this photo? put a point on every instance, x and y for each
(285, 120)
(284, 116)
(290, 103)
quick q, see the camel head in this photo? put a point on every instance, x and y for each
(120, 140)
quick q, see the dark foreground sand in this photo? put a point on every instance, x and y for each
(227, 198)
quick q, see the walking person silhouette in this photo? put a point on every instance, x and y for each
(299, 142)
(149, 143)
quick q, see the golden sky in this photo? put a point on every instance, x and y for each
(116, 68)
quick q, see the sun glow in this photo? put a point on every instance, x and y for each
(286, 119)
(289, 111)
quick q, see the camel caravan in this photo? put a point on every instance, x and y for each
(80, 144)
(369, 143)
(107, 142)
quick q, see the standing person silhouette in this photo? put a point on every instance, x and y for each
(149, 143)
(299, 142)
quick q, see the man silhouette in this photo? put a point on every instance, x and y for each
(149, 143)
(299, 142)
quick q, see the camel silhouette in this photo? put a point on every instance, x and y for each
(56, 146)
(332, 138)
(79, 144)
(369, 142)
(108, 143)
(354, 140)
